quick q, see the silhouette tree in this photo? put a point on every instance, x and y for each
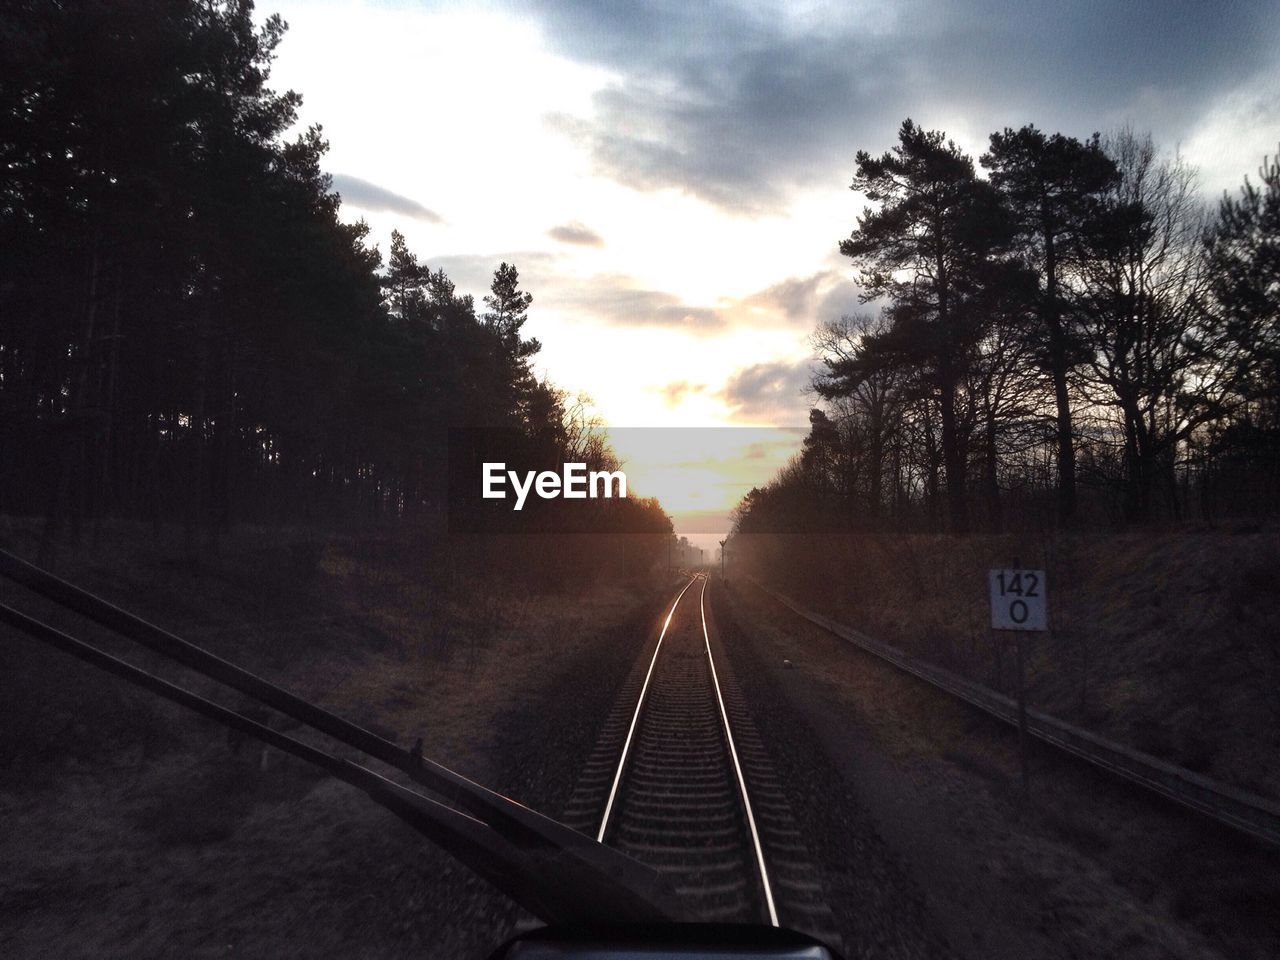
(1052, 186)
(1153, 348)
(1169, 329)
(405, 283)
(508, 310)
(188, 332)
(1243, 250)
(868, 391)
(930, 247)
(1242, 247)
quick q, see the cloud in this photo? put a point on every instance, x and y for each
(473, 272)
(819, 297)
(608, 298)
(676, 391)
(739, 133)
(618, 299)
(1248, 118)
(370, 196)
(733, 104)
(793, 297)
(773, 392)
(615, 299)
(740, 104)
(798, 301)
(576, 233)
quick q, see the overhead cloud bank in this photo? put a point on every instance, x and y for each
(370, 196)
(739, 104)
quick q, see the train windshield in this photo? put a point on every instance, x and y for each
(746, 479)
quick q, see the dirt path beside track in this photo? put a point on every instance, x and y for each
(1089, 868)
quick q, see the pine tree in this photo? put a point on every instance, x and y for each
(1052, 186)
(929, 247)
(404, 283)
(509, 309)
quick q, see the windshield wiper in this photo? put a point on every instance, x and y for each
(553, 871)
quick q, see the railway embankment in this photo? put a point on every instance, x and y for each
(137, 829)
(1087, 865)
(1164, 641)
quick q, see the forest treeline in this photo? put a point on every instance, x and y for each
(188, 331)
(1063, 334)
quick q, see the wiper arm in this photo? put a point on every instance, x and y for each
(596, 881)
(473, 842)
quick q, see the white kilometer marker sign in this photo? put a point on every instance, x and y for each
(1018, 600)
(1018, 604)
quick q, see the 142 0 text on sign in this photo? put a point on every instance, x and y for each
(1018, 600)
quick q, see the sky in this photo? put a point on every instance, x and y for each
(672, 178)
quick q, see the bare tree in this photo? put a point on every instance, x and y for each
(1155, 356)
(867, 393)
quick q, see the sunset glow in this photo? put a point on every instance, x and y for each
(677, 272)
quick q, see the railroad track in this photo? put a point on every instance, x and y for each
(680, 780)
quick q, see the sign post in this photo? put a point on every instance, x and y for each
(722, 543)
(1018, 604)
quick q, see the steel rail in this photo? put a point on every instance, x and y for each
(635, 717)
(737, 765)
(1249, 813)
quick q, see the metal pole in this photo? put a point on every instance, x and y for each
(1022, 718)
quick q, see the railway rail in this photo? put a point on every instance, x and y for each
(680, 781)
(686, 842)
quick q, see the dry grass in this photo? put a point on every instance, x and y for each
(135, 829)
(1088, 867)
(1169, 641)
